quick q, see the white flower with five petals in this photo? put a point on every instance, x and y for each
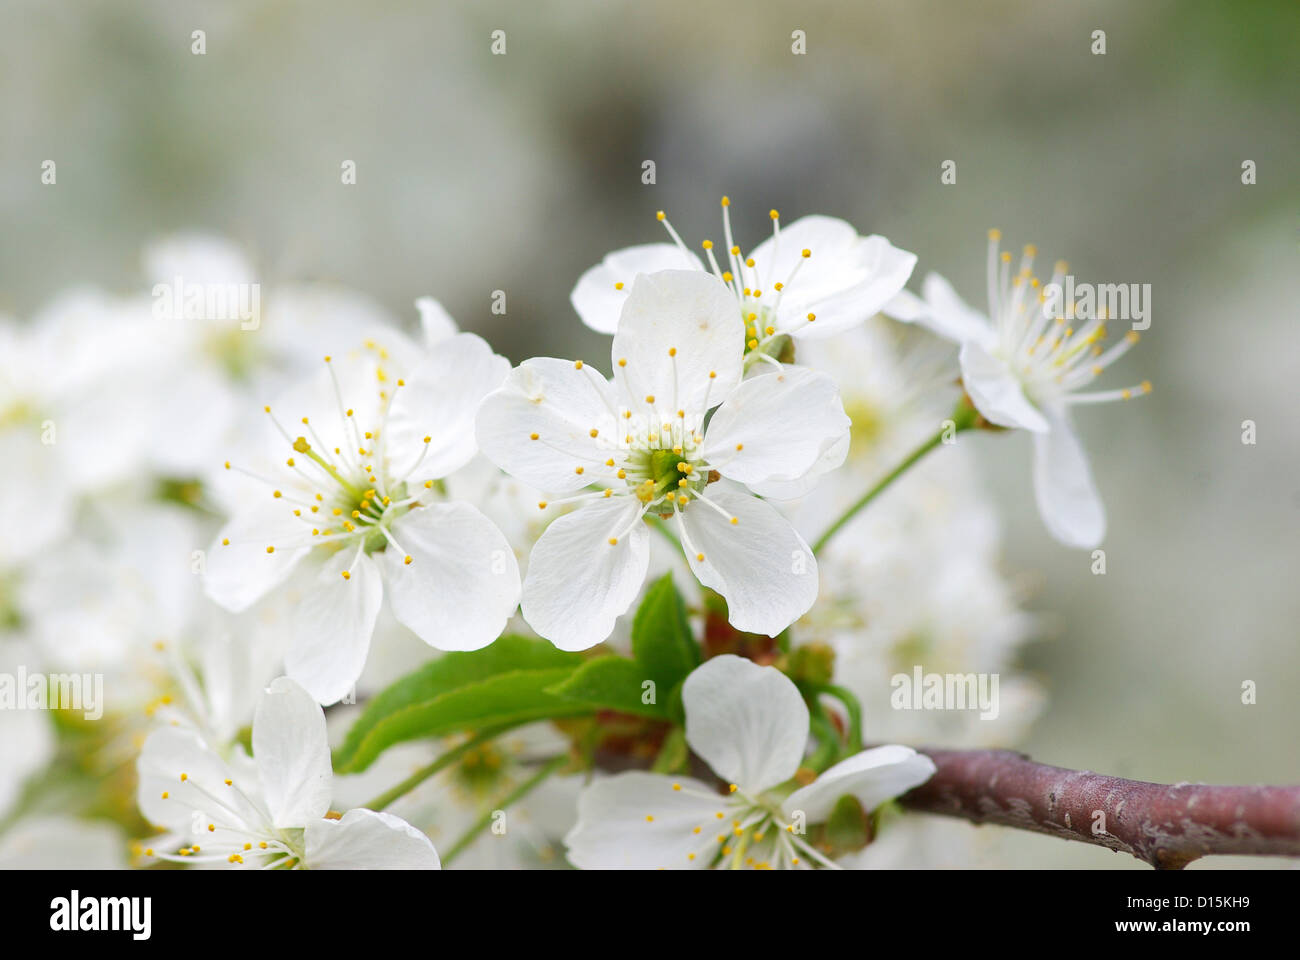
(347, 510)
(750, 725)
(270, 810)
(676, 434)
(815, 278)
(1026, 368)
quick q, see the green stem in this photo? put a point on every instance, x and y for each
(963, 418)
(444, 761)
(851, 706)
(514, 796)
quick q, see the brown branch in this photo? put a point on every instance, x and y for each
(1165, 826)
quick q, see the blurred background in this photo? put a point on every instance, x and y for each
(477, 172)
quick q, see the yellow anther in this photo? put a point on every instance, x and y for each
(1031, 250)
(806, 253)
(622, 361)
(732, 788)
(735, 520)
(735, 251)
(347, 575)
(659, 215)
(1006, 256)
(699, 557)
(165, 794)
(707, 244)
(622, 474)
(613, 541)
(541, 504)
(753, 344)
(594, 432)
(270, 549)
(773, 214)
(1132, 336)
(228, 782)
(428, 484)
(649, 818)
(749, 262)
(690, 856)
(577, 364)
(677, 786)
(726, 201)
(532, 436)
(579, 470)
(1146, 386)
(727, 276)
(650, 398)
(408, 559)
(225, 541)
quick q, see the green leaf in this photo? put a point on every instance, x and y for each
(502, 683)
(662, 642)
(614, 683)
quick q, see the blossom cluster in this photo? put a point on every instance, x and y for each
(326, 562)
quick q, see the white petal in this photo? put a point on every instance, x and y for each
(829, 461)
(777, 426)
(760, 563)
(561, 403)
(637, 821)
(240, 572)
(873, 776)
(996, 393)
(599, 301)
(292, 754)
(578, 583)
(331, 628)
(845, 280)
(905, 306)
(439, 400)
(366, 840)
(749, 723)
(949, 316)
(1067, 497)
(692, 313)
(168, 753)
(435, 321)
(462, 584)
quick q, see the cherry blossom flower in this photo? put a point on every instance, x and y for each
(678, 435)
(269, 810)
(750, 725)
(812, 279)
(1026, 368)
(349, 511)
